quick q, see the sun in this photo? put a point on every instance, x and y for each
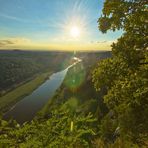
(75, 31)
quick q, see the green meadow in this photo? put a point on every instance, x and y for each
(13, 96)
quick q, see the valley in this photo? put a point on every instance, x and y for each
(36, 88)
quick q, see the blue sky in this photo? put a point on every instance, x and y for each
(46, 24)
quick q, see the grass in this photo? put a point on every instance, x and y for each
(15, 95)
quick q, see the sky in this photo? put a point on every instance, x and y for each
(49, 25)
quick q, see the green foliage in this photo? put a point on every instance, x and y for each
(107, 128)
(122, 80)
(109, 70)
(119, 143)
(129, 15)
(52, 132)
(124, 76)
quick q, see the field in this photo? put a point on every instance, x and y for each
(15, 95)
(23, 71)
(19, 66)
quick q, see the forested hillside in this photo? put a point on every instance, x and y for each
(78, 86)
(76, 101)
(18, 66)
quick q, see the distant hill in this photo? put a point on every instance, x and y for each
(18, 65)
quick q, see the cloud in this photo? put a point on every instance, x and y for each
(25, 43)
(12, 17)
(13, 41)
(24, 20)
(5, 42)
(102, 42)
(20, 40)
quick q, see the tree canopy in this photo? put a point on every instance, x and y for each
(125, 74)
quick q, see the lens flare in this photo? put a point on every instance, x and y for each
(75, 77)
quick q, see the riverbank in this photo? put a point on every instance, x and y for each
(9, 99)
(77, 86)
(73, 80)
(26, 109)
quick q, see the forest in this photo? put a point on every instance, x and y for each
(107, 106)
(18, 66)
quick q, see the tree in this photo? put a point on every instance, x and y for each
(125, 74)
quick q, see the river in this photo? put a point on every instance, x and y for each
(26, 109)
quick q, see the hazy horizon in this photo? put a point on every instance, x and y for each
(53, 25)
(55, 50)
